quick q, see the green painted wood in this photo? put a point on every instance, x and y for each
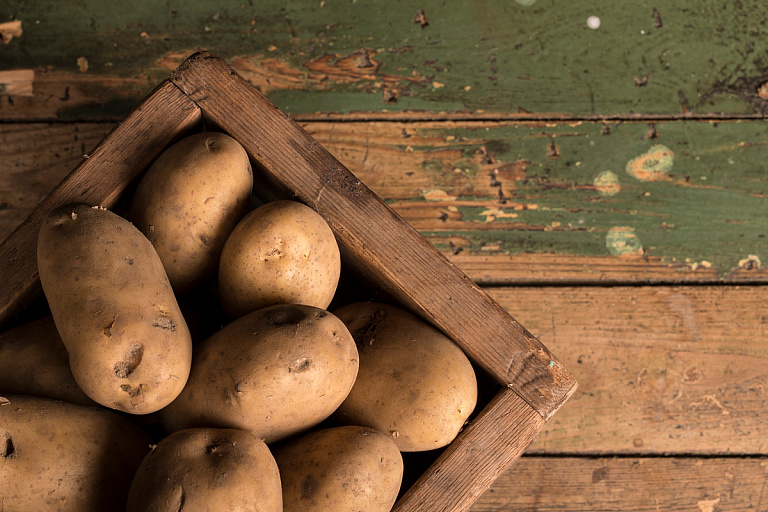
(692, 197)
(95, 59)
(493, 198)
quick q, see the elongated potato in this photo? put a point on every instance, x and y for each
(207, 469)
(34, 361)
(189, 201)
(275, 372)
(129, 346)
(56, 456)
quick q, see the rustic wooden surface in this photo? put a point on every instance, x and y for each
(607, 186)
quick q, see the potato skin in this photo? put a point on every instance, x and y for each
(344, 469)
(34, 361)
(207, 469)
(275, 372)
(189, 201)
(282, 252)
(129, 346)
(414, 383)
(62, 457)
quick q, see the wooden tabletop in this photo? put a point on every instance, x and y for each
(598, 167)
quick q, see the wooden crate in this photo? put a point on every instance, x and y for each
(376, 245)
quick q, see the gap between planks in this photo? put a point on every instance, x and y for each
(423, 117)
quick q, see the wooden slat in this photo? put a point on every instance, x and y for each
(585, 196)
(494, 439)
(629, 485)
(661, 370)
(554, 224)
(122, 156)
(553, 268)
(372, 238)
(499, 56)
(35, 158)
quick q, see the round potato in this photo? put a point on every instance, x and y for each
(344, 469)
(275, 372)
(414, 383)
(189, 201)
(34, 361)
(65, 457)
(207, 469)
(282, 252)
(129, 346)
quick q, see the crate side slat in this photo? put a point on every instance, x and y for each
(375, 239)
(471, 463)
(99, 180)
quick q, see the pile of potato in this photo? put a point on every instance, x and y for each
(288, 406)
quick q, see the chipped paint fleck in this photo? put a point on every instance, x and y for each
(437, 195)
(653, 165)
(751, 262)
(622, 241)
(82, 64)
(607, 183)
(708, 505)
(9, 30)
(492, 214)
(17, 82)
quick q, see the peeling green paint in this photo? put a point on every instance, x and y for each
(710, 210)
(607, 183)
(653, 165)
(495, 56)
(623, 241)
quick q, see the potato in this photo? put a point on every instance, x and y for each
(281, 252)
(414, 383)
(34, 361)
(207, 469)
(275, 372)
(189, 201)
(129, 346)
(343, 469)
(56, 456)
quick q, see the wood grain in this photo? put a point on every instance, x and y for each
(684, 205)
(565, 484)
(553, 224)
(373, 240)
(36, 157)
(661, 370)
(495, 438)
(487, 57)
(117, 160)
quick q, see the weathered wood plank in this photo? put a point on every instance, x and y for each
(699, 219)
(630, 485)
(35, 158)
(688, 195)
(160, 119)
(96, 59)
(661, 370)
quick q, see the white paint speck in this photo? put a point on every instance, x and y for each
(593, 22)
